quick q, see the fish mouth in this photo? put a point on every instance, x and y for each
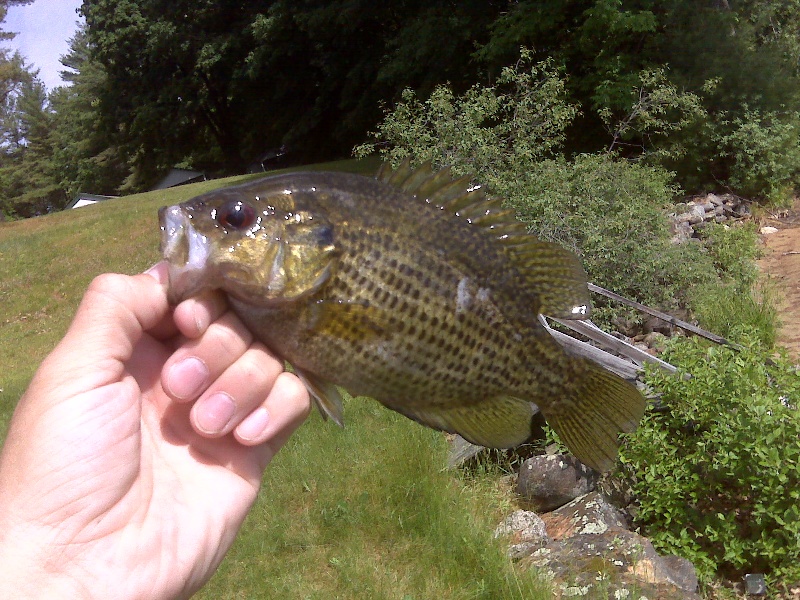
(187, 253)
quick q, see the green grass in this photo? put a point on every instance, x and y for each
(363, 512)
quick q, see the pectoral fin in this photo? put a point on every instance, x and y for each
(503, 422)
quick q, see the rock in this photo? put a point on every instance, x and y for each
(696, 214)
(655, 340)
(554, 480)
(613, 564)
(714, 200)
(681, 232)
(591, 513)
(659, 325)
(526, 530)
(768, 230)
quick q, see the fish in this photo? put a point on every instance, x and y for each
(416, 288)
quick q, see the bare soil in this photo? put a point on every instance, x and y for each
(781, 263)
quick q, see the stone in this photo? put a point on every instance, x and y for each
(659, 325)
(614, 564)
(696, 214)
(655, 340)
(681, 232)
(714, 199)
(591, 513)
(768, 230)
(526, 530)
(551, 481)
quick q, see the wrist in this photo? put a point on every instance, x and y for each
(31, 570)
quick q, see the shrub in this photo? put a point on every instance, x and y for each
(716, 470)
(611, 213)
(486, 130)
(760, 153)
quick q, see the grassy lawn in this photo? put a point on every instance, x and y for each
(363, 512)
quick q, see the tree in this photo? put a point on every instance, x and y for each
(87, 155)
(27, 181)
(26, 185)
(215, 84)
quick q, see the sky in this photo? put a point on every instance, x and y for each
(44, 29)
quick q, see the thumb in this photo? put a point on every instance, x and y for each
(114, 313)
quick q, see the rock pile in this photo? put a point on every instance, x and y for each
(581, 540)
(688, 218)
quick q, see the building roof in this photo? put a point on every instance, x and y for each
(83, 199)
(178, 176)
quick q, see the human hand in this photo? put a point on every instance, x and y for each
(138, 449)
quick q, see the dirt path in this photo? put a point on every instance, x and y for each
(781, 262)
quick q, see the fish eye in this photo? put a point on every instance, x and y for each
(325, 235)
(236, 215)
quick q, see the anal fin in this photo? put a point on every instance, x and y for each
(503, 422)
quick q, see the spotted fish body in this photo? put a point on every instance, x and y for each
(411, 288)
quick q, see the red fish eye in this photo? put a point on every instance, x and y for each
(236, 215)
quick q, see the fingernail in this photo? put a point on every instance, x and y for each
(159, 272)
(254, 425)
(187, 378)
(214, 412)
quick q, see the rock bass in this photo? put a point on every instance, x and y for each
(412, 287)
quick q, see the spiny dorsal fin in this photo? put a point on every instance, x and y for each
(554, 273)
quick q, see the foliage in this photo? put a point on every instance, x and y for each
(716, 469)
(611, 212)
(86, 155)
(607, 210)
(236, 79)
(707, 75)
(652, 124)
(486, 130)
(734, 250)
(728, 309)
(27, 179)
(708, 90)
(760, 153)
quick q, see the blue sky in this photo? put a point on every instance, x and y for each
(44, 29)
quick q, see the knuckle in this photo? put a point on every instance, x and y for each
(295, 391)
(229, 340)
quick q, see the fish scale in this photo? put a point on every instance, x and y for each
(442, 350)
(412, 288)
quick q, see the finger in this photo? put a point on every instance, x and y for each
(194, 315)
(286, 407)
(195, 365)
(236, 393)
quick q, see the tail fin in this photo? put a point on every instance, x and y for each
(589, 422)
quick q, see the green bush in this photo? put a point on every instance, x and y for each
(611, 213)
(760, 153)
(716, 470)
(487, 130)
(732, 311)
